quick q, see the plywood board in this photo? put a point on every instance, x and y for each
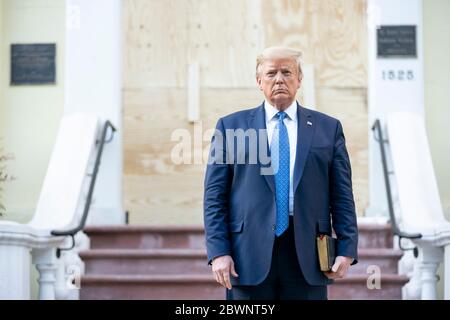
(150, 175)
(161, 39)
(330, 33)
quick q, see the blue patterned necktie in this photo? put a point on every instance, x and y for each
(280, 155)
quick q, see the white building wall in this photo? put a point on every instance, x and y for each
(93, 83)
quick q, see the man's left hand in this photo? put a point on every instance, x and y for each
(340, 267)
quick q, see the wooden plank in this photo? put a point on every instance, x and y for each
(152, 115)
(330, 33)
(350, 107)
(151, 177)
(156, 190)
(165, 199)
(193, 111)
(225, 36)
(156, 39)
(163, 36)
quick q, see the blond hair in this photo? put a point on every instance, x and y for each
(278, 53)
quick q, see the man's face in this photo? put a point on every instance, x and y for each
(279, 80)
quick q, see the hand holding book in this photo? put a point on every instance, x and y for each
(333, 267)
(340, 267)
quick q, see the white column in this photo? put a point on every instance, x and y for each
(93, 83)
(428, 279)
(447, 272)
(47, 280)
(410, 267)
(430, 258)
(46, 263)
(14, 272)
(395, 83)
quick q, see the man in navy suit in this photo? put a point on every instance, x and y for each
(278, 176)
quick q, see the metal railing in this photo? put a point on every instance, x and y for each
(93, 175)
(378, 136)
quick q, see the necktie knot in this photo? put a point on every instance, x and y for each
(281, 115)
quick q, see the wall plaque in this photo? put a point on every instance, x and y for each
(396, 42)
(33, 63)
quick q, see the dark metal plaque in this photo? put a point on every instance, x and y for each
(396, 42)
(33, 63)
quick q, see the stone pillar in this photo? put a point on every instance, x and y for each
(14, 272)
(47, 280)
(93, 83)
(430, 258)
(447, 272)
(395, 78)
(46, 263)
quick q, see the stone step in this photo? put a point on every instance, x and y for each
(384, 260)
(169, 262)
(202, 287)
(371, 235)
(374, 235)
(356, 287)
(151, 287)
(146, 237)
(193, 261)
(145, 262)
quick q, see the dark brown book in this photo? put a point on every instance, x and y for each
(326, 247)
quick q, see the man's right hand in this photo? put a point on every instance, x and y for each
(222, 267)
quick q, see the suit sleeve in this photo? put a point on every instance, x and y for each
(342, 204)
(217, 186)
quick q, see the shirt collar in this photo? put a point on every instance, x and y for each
(271, 111)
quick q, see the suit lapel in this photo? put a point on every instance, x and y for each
(257, 120)
(305, 131)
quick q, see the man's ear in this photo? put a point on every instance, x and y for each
(258, 81)
(300, 81)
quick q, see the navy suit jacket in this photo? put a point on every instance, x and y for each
(239, 201)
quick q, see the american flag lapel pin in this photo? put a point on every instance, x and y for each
(309, 123)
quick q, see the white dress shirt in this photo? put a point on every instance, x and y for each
(291, 124)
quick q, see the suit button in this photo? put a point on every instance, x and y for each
(273, 228)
